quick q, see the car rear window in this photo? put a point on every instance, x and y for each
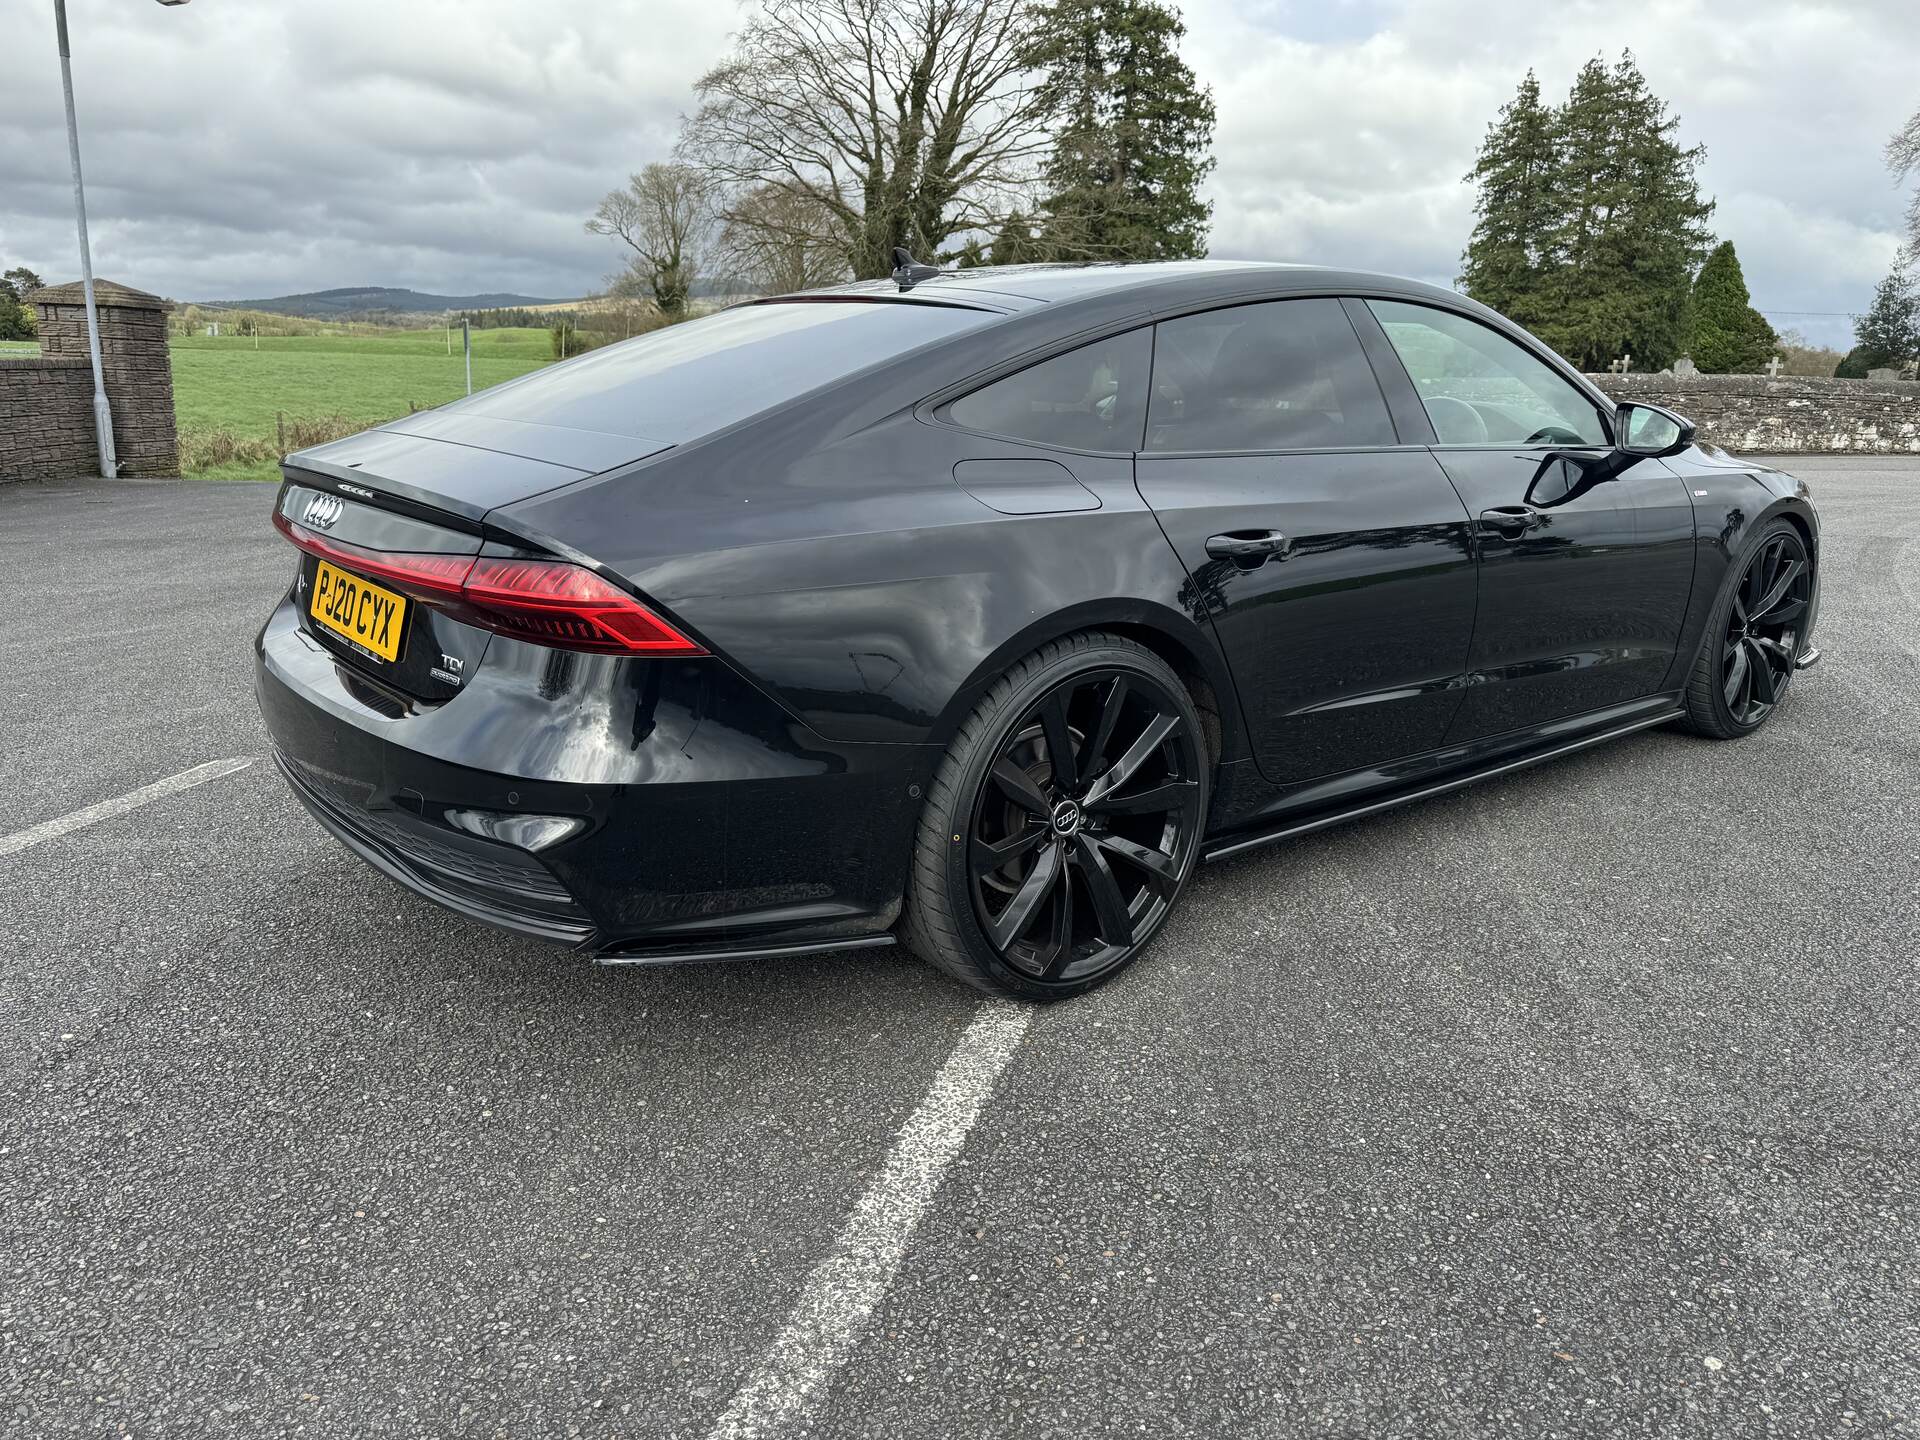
(690, 379)
(1092, 398)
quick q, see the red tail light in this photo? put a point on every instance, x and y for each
(549, 602)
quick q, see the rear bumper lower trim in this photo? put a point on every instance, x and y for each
(395, 867)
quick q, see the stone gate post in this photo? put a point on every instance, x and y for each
(133, 355)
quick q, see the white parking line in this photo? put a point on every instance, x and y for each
(107, 809)
(839, 1298)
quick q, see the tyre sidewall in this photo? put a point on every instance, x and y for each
(957, 880)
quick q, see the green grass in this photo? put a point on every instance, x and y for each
(496, 344)
(228, 385)
(19, 347)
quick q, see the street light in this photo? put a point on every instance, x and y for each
(102, 413)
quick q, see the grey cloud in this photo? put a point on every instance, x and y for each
(247, 148)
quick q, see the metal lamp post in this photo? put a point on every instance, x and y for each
(102, 412)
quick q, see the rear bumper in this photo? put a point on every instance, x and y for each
(705, 821)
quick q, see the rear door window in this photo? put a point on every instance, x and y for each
(1093, 398)
(1479, 387)
(1284, 375)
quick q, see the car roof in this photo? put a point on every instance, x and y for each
(1025, 287)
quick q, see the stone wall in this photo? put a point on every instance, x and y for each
(36, 393)
(46, 418)
(1793, 414)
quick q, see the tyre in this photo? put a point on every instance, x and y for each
(1062, 824)
(1753, 637)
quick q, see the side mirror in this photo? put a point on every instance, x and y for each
(1648, 430)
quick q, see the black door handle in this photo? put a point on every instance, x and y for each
(1512, 520)
(1247, 547)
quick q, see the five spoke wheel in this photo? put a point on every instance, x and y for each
(1085, 825)
(1762, 640)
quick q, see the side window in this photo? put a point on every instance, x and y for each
(1093, 398)
(1482, 389)
(1284, 375)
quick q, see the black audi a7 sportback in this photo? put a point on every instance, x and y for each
(971, 610)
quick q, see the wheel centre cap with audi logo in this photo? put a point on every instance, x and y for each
(1066, 819)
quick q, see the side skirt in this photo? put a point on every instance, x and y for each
(768, 950)
(1236, 844)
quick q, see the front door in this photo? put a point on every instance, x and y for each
(1334, 563)
(1583, 586)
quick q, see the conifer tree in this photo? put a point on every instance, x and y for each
(1503, 263)
(1598, 256)
(1730, 337)
(1014, 245)
(1133, 132)
(1888, 335)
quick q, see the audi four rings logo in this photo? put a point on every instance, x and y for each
(322, 511)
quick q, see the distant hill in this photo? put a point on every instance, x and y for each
(376, 300)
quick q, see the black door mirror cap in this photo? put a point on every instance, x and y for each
(1684, 430)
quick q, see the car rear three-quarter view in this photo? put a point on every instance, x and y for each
(972, 610)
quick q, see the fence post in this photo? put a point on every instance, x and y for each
(280, 425)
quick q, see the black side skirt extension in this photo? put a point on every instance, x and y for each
(764, 950)
(1235, 844)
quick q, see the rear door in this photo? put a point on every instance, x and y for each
(1333, 561)
(1581, 600)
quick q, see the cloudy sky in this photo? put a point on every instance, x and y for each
(242, 148)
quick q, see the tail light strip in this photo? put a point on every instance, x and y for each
(549, 602)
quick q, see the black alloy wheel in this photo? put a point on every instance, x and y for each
(1743, 675)
(1762, 639)
(1084, 814)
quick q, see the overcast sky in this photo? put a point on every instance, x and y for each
(245, 148)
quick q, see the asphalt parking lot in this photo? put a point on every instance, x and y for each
(1579, 1103)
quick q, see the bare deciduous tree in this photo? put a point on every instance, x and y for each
(777, 241)
(1903, 158)
(664, 213)
(907, 121)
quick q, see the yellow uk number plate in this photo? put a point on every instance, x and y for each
(358, 609)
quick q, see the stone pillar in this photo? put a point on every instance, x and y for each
(134, 358)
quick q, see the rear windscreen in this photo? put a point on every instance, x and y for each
(693, 378)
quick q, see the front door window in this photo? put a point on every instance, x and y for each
(1479, 387)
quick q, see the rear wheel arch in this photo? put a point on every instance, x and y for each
(1170, 635)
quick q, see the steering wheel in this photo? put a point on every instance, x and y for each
(1554, 435)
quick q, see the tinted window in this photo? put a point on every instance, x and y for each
(689, 379)
(1093, 398)
(1482, 389)
(1289, 375)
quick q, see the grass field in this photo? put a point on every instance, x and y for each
(228, 394)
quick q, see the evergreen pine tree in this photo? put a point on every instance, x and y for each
(1888, 335)
(1134, 129)
(1014, 245)
(1595, 246)
(1503, 263)
(1730, 337)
